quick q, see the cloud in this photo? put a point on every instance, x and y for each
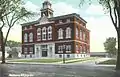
(95, 10)
(32, 7)
(62, 8)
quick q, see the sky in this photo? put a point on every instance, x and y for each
(98, 22)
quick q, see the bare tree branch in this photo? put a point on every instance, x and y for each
(111, 15)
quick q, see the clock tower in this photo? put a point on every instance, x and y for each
(46, 9)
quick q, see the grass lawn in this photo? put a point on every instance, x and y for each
(38, 60)
(52, 60)
(109, 62)
(82, 59)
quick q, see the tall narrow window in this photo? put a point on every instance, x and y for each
(77, 33)
(68, 20)
(60, 33)
(77, 49)
(68, 32)
(25, 37)
(49, 33)
(25, 50)
(81, 49)
(31, 49)
(68, 48)
(38, 34)
(84, 36)
(31, 37)
(44, 33)
(80, 34)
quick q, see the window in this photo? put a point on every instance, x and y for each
(49, 33)
(68, 20)
(31, 49)
(77, 49)
(44, 33)
(38, 34)
(30, 27)
(25, 37)
(31, 37)
(77, 33)
(68, 32)
(80, 49)
(80, 34)
(60, 49)
(60, 33)
(25, 28)
(84, 36)
(60, 21)
(25, 50)
(68, 48)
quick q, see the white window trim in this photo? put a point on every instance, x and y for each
(44, 33)
(25, 37)
(31, 37)
(68, 32)
(77, 34)
(60, 33)
(38, 34)
(50, 33)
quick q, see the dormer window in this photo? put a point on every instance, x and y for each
(68, 20)
(60, 21)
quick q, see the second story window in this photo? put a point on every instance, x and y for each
(77, 33)
(68, 20)
(25, 37)
(30, 27)
(31, 37)
(60, 33)
(49, 33)
(38, 34)
(68, 32)
(84, 36)
(44, 33)
(25, 28)
(60, 21)
(80, 34)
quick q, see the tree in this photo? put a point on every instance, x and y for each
(113, 8)
(109, 45)
(12, 43)
(11, 12)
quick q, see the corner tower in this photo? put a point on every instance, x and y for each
(47, 9)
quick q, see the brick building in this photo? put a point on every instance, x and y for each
(50, 37)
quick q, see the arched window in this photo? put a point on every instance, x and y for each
(68, 32)
(25, 37)
(49, 33)
(60, 33)
(38, 34)
(77, 33)
(80, 34)
(77, 49)
(44, 33)
(31, 37)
